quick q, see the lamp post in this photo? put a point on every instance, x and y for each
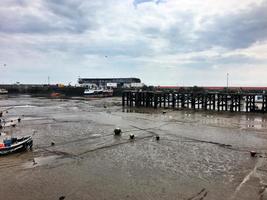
(227, 80)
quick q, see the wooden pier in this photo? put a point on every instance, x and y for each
(233, 102)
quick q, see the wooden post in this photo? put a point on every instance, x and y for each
(160, 100)
(226, 102)
(239, 102)
(173, 100)
(123, 99)
(183, 100)
(264, 103)
(193, 101)
(155, 97)
(127, 98)
(164, 100)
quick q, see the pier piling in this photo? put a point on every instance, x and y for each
(233, 102)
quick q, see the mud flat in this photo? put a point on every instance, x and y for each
(199, 156)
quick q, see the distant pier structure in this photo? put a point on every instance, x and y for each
(233, 102)
(109, 82)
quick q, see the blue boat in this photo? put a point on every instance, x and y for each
(15, 145)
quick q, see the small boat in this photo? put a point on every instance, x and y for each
(3, 91)
(93, 91)
(259, 98)
(55, 94)
(14, 145)
(98, 92)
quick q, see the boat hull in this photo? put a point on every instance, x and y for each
(23, 144)
(3, 91)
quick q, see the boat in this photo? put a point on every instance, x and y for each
(93, 91)
(258, 98)
(68, 90)
(3, 91)
(98, 92)
(14, 145)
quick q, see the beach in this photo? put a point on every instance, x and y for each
(199, 155)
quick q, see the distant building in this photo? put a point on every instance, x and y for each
(109, 82)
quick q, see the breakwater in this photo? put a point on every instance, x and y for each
(43, 89)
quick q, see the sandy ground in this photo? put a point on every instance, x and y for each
(200, 155)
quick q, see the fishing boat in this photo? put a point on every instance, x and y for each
(98, 92)
(93, 91)
(14, 145)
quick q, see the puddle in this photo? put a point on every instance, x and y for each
(35, 118)
(40, 161)
(24, 106)
(96, 135)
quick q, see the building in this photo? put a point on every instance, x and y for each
(109, 82)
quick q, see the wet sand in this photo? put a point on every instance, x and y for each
(200, 155)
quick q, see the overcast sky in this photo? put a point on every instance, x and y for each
(163, 42)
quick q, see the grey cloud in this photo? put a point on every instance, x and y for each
(232, 31)
(181, 35)
(5, 3)
(136, 2)
(238, 59)
(132, 49)
(72, 14)
(54, 16)
(69, 9)
(238, 30)
(204, 62)
(25, 24)
(31, 24)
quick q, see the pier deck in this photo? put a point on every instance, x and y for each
(233, 102)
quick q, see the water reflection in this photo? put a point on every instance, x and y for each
(221, 119)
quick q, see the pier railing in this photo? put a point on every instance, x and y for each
(233, 102)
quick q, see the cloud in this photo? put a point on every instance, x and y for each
(162, 42)
(42, 17)
(72, 13)
(136, 2)
(236, 30)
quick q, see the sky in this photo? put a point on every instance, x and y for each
(163, 42)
